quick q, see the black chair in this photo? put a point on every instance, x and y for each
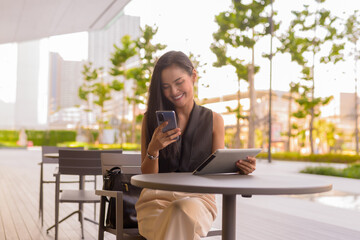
(80, 163)
(47, 160)
(129, 164)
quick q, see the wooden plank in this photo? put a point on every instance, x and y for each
(8, 221)
(27, 213)
(2, 229)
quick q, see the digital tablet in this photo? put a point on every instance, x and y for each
(224, 160)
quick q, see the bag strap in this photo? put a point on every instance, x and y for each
(114, 168)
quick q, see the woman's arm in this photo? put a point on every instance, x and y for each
(218, 132)
(158, 141)
(147, 165)
(245, 166)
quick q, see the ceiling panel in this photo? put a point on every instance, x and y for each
(22, 20)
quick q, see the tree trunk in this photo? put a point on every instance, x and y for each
(356, 107)
(356, 120)
(252, 95)
(312, 116)
(133, 123)
(311, 128)
(289, 125)
(238, 129)
(101, 126)
(122, 127)
(252, 116)
(89, 136)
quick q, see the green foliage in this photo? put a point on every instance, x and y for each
(323, 158)
(50, 138)
(320, 170)
(326, 131)
(240, 27)
(352, 28)
(237, 112)
(146, 51)
(121, 55)
(352, 171)
(9, 135)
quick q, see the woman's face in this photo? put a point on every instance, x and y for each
(178, 86)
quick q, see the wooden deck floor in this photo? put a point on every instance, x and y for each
(257, 218)
(19, 201)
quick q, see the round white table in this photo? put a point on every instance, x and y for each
(229, 185)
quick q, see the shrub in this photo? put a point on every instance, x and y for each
(352, 171)
(325, 158)
(9, 136)
(50, 138)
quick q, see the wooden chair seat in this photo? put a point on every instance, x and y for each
(81, 196)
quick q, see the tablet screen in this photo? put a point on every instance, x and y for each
(224, 160)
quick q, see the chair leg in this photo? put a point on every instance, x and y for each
(57, 193)
(102, 218)
(81, 216)
(41, 199)
(94, 203)
(119, 216)
(81, 187)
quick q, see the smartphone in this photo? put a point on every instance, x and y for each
(168, 116)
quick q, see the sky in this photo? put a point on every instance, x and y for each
(188, 26)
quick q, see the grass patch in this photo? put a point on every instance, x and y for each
(352, 171)
(321, 158)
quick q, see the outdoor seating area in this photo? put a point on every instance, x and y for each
(259, 217)
(165, 120)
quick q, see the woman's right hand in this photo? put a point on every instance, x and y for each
(162, 139)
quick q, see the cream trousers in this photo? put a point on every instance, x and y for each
(165, 215)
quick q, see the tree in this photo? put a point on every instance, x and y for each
(294, 88)
(199, 68)
(326, 132)
(241, 28)
(307, 33)
(142, 73)
(352, 33)
(119, 59)
(95, 90)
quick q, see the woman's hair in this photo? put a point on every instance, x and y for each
(157, 100)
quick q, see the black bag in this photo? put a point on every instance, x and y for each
(114, 180)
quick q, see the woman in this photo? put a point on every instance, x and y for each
(176, 215)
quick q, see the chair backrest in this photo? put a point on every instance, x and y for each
(81, 162)
(54, 149)
(129, 163)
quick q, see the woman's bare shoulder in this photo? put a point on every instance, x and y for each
(218, 120)
(217, 117)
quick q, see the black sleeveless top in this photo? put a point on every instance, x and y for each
(194, 145)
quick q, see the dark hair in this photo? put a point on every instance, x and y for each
(157, 100)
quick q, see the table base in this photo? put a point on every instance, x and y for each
(229, 217)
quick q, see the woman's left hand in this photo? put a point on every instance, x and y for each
(247, 165)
